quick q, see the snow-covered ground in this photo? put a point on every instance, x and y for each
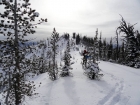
(119, 86)
(122, 84)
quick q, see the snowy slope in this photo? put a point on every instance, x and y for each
(119, 86)
(126, 90)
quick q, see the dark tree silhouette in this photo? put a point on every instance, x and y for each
(77, 39)
(130, 41)
(74, 35)
(100, 46)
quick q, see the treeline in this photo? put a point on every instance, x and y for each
(127, 52)
(75, 36)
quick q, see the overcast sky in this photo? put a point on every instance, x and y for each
(85, 16)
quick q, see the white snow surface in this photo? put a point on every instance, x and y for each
(119, 86)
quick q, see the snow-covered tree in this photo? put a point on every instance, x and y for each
(67, 61)
(67, 55)
(54, 46)
(138, 49)
(66, 36)
(17, 22)
(40, 58)
(104, 52)
(100, 46)
(131, 42)
(95, 48)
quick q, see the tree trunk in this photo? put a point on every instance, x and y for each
(7, 96)
(16, 87)
(54, 61)
(117, 48)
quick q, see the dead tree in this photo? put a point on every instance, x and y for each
(130, 41)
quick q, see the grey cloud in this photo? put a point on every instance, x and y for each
(101, 14)
(106, 24)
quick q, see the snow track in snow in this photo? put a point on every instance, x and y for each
(125, 79)
(114, 95)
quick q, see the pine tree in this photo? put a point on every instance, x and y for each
(54, 39)
(131, 42)
(104, 49)
(74, 35)
(40, 59)
(138, 39)
(96, 46)
(110, 48)
(66, 59)
(66, 36)
(138, 49)
(100, 46)
(77, 39)
(84, 40)
(16, 23)
(94, 49)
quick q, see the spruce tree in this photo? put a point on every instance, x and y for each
(96, 45)
(138, 39)
(94, 49)
(67, 55)
(54, 45)
(100, 46)
(104, 49)
(74, 35)
(110, 48)
(16, 23)
(77, 39)
(138, 49)
(66, 59)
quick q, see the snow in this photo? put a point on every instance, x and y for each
(119, 86)
(125, 77)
